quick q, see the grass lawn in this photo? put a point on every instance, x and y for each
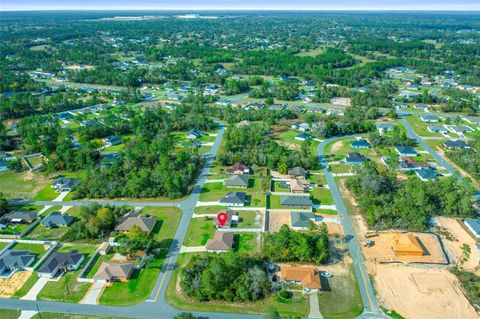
(326, 211)
(14, 229)
(37, 249)
(115, 148)
(47, 193)
(343, 299)
(21, 185)
(35, 160)
(9, 314)
(340, 168)
(2, 245)
(41, 232)
(297, 306)
(278, 187)
(420, 127)
(58, 291)
(168, 219)
(209, 209)
(207, 139)
(54, 315)
(318, 179)
(213, 192)
(247, 219)
(321, 196)
(246, 242)
(99, 259)
(273, 202)
(199, 231)
(26, 286)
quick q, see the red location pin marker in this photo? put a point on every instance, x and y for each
(222, 218)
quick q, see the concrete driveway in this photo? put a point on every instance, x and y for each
(93, 293)
(35, 290)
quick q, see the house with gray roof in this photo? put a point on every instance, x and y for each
(12, 261)
(455, 144)
(232, 219)
(237, 181)
(437, 129)
(384, 127)
(360, 144)
(461, 129)
(194, 133)
(112, 271)
(430, 119)
(474, 226)
(355, 158)
(146, 223)
(303, 202)
(18, 217)
(233, 199)
(426, 174)
(298, 172)
(57, 219)
(405, 151)
(65, 184)
(61, 262)
(300, 220)
(220, 243)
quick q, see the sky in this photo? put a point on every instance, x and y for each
(9, 5)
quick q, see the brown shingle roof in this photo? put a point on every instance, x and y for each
(109, 270)
(220, 241)
(145, 223)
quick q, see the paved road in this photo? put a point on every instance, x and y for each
(370, 304)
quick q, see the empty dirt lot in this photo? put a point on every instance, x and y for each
(8, 287)
(455, 236)
(421, 293)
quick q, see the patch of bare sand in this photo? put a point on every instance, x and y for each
(8, 287)
(422, 293)
(336, 146)
(277, 220)
(454, 236)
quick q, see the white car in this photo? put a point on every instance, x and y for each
(326, 275)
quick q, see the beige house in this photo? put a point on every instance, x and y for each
(111, 271)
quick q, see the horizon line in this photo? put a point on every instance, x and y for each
(245, 9)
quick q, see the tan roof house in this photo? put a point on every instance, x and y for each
(308, 277)
(299, 185)
(146, 223)
(221, 242)
(111, 271)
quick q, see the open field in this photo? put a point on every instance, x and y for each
(21, 185)
(277, 220)
(199, 231)
(421, 293)
(9, 314)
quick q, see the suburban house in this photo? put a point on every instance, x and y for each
(456, 144)
(405, 151)
(426, 174)
(474, 226)
(146, 223)
(232, 219)
(430, 119)
(112, 140)
(300, 220)
(406, 244)
(61, 262)
(64, 184)
(18, 217)
(300, 202)
(437, 129)
(421, 106)
(112, 271)
(302, 127)
(384, 127)
(65, 116)
(360, 144)
(408, 94)
(220, 243)
(57, 219)
(355, 158)
(307, 277)
(237, 181)
(239, 169)
(194, 133)
(297, 172)
(233, 199)
(461, 129)
(303, 137)
(15, 260)
(408, 163)
(299, 185)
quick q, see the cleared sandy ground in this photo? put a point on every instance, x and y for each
(277, 220)
(421, 293)
(8, 287)
(454, 236)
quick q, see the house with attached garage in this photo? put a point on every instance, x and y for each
(112, 140)
(65, 184)
(360, 144)
(298, 172)
(220, 243)
(460, 129)
(146, 223)
(407, 163)
(12, 261)
(57, 219)
(455, 144)
(307, 277)
(113, 271)
(232, 219)
(355, 158)
(430, 119)
(437, 129)
(474, 226)
(405, 151)
(237, 181)
(300, 220)
(18, 217)
(296, 201)
(233, 199)
(426, 174)
(299, 185)
(194, 133)
(59, 263)
(384, 127)
(239, 169)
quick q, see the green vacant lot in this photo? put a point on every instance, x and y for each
(199, 231)
(297, 306)
(9, 314)
(342, 300)
(215, 191)
(321, 196)
(21, 185)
